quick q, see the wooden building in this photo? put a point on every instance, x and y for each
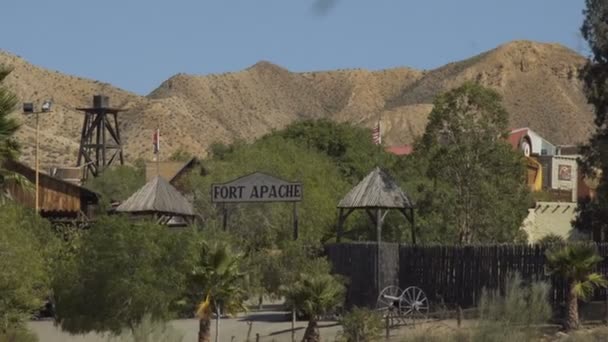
(176, 173)
(59, 200)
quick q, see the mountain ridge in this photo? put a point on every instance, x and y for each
(538, 82)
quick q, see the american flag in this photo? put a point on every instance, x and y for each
(156, 141)
(376, 134)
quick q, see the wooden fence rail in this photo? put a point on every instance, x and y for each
(454, 275)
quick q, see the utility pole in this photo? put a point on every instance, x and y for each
(28, 108)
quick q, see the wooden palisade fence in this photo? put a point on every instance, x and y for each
(454, 275)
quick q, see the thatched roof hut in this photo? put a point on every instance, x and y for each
(159, 198)
(376, 192)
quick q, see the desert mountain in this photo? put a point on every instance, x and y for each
(538, 82)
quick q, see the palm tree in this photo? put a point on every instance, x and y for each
(218, 279)
(576, 263)
(9, 148)
(315, 295)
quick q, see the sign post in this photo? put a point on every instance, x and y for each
(255, 188)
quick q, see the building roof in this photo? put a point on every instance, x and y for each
(402, 150)
(168, 170)
(58, 198)
(30, 174)
(537, 144)
(550, 218)
(515, 136)
(157, 197)
(376, 190)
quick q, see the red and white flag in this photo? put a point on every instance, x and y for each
(156, 141)
(377, 134)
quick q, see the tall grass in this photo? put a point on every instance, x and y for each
(595, 335)
(514, 316)
(361, 325)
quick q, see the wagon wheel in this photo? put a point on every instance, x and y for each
(414, 304)
(389, 303)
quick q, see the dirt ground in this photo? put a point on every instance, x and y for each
(275, 326)
(270, 325)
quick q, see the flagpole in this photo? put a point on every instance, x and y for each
(379, 140)
(380, 130)
(158, 148)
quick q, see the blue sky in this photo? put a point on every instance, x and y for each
(137, 44)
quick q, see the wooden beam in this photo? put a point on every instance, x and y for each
(339, 228)
(122, 161)
(371, 216)
(342, 216)
(408, 213)
(413, 227)
(295, 220)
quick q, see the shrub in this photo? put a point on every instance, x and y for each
(551, 240)
(27, 247)
(122, 272)
(595, 335)
(361, 325)
(520, 305)
(18, 334)
(150, 331)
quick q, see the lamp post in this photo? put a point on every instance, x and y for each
(28, 108)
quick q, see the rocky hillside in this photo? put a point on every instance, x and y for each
(538, 82)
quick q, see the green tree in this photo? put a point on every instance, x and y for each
(349, 146)
(27, 249)
(266, 226)
(217, 279)
(576, 264)
(551, 240)
(122, 272)
(471, 169)
(117, 183)
(593, 215)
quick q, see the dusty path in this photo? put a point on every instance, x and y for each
(270, 325)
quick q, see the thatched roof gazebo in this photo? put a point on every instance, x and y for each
(377, 193)
(160, 199)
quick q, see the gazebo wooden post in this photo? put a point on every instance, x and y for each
(340, 225)
(378, 225)
(224, 217)
(342, 216)
(377, 193)
(295, 221)
(413, 226)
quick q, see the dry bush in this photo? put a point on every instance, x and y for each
(18, 334)
(361, 325)
(594, 335)
(514, 316)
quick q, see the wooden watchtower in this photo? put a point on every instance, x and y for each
(100, 144)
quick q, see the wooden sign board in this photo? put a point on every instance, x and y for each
(256, 187)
